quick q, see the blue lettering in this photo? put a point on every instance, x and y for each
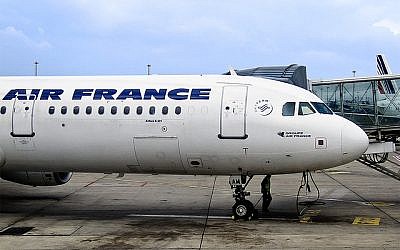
(20, 94)
(175, 94)
(79, 93)
(200, 94)
(158, 95)
(54, 94)
(106, 93)
(34, 94)
(130, 93)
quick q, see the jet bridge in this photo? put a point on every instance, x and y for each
(373, 103)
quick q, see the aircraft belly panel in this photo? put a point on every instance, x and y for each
(158, 154)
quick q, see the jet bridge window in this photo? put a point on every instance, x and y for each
(322, 108)
(288, 109)
(305, 109)
(52, 109)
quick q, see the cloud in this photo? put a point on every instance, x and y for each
(155, 18)
(14, 34)
(392, 26)
(108, 14)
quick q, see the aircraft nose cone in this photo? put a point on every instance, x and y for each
(354, 142)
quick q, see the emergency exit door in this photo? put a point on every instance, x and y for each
(22, 118)
(233, 112)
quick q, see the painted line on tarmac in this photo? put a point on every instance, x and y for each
(326, 199)
(182, 216)
(367, 221)
(178, 216)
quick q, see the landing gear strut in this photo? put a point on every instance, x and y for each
(242, 209)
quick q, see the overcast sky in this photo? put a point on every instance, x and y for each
(102, 37)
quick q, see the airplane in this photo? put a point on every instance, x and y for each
(387, 94)
(228, 125)
(388, 101)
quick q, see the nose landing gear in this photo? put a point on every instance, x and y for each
(242, 209)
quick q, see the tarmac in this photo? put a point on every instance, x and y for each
(358, 208)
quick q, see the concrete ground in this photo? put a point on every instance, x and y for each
(358, 208)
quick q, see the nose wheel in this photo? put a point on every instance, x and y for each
(242, 209)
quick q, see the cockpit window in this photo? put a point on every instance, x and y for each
(305, 109)
(288, 109)
(322, 108)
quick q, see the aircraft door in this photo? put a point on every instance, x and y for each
(22, 118)
(233, 112)
(158, 154)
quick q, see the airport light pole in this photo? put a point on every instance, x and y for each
(148, 69)
(36, 67)
(354, 73)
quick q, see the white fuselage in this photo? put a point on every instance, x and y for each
(226, 125)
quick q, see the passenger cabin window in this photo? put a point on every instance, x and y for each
(52, 109)
(164, 110)
(305, 109)
(126, 110)
(288, 109)
(322, 108)
(64, 110)
(152, 110)
(101, 110)
(76, 110)
(88, 110)
(178, 110)
(113, 110)
(139, 110)
(3, 110)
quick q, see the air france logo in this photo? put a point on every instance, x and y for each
(263, 107)
(111, 94)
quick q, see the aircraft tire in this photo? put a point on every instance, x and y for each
(243, 210)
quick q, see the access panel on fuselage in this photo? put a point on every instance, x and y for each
(22, 117)
(158, 154)
(233, 112)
